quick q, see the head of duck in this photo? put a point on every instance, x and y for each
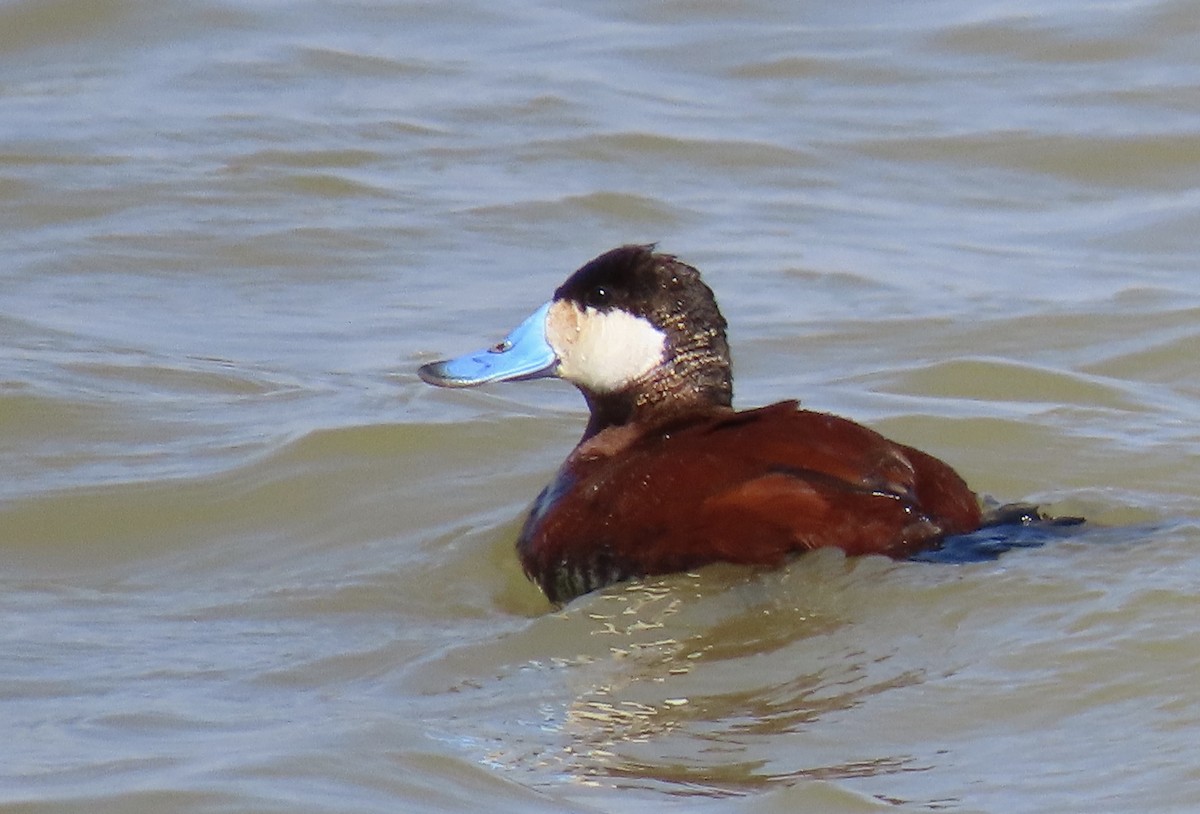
(638, 332)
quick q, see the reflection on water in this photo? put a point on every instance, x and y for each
(655, 679)
(732, 682)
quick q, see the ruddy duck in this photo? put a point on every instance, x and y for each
(668, 476)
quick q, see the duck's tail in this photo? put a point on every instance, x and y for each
(1022, 514)
(1005, 526)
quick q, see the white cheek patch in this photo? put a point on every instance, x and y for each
(602, 351)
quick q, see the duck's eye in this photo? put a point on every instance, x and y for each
(597, 297)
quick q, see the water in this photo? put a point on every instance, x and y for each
(248, 562)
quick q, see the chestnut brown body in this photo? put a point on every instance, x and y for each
(749, 487)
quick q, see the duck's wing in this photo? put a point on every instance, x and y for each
(791, 480)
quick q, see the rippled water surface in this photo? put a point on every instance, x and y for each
(248, 562)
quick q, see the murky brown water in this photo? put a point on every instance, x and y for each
(249, 563)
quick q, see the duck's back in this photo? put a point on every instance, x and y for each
(752, 487)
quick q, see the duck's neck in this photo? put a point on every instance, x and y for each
(660, 399)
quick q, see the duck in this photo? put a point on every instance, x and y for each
(668, 477)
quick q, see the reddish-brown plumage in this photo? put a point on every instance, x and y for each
(747, 487)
